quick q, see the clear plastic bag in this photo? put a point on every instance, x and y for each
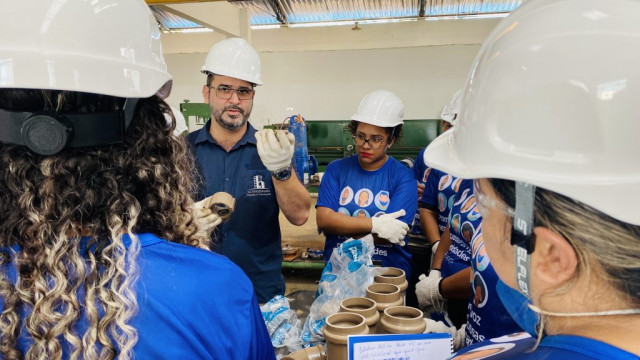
(347, 274)
(281, 321)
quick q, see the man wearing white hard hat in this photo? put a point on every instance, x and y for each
(370, 183)
(549, 130)
(102, 257)
(253, 166)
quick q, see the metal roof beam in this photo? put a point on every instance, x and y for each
(278, 9)
(421, 8)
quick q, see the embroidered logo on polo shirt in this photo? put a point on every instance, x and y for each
(258, 183)
(259, 188)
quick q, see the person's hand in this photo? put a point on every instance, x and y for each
(427, 291)
(204, 217)
(275, 148)
(388, 227)
(458, 335)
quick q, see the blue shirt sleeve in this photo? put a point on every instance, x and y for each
(430, 195)
(329, 187)
(260, 346)
(405, 196)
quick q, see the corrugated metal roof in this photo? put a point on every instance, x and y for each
(280, 12)
(169, 21)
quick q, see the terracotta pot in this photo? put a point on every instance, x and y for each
(384, 295)
(310, 353)
(336, 330)
(402, 320)
(394, 276)
(365, 307)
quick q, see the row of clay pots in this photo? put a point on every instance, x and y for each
(388, 290)
(395, 320)
(380, 312)
(394, 276)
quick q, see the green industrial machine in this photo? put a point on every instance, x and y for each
(199, 113)
(328, 140)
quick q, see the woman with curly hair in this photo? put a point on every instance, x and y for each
(101, 255)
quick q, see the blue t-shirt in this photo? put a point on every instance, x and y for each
(487, 318)
(439, 193)
(251, 237)
(182, 312)
(554, 347)
(351, 190)
(464, 222)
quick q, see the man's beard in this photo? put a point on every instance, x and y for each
(231, 126)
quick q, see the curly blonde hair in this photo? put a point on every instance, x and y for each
(67, 278)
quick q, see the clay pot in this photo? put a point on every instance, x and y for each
(310, 353)
(384, 295)
(394, 276)
(336, 330)
(365, 307)
(402, 320)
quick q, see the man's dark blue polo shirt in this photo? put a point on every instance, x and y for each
(251, 237)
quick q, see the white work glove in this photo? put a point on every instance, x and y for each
(206, 219)
(388, 227)
(428, 293)
(275, 148)
(439, 327)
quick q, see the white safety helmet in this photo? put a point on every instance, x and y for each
(235, 58)
(551, 100)
(452, 109)
(104, 47)
(380, 108)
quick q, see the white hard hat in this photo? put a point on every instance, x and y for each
(381, 108)
(104, 47)
(452, 109)
(551, 100)
(235, 58)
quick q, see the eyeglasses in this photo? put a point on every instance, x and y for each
(375, 142)
(225, 92)
(484, 202)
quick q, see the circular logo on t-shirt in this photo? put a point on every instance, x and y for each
(425, 176)
(479, 291)
(344, 211)
(361, 213)
(468, 204)
(460, 199)
(474, 214)
(484, 352)
(379, 213)
(511, 337)
(467, 231)
(456, 184)
(442, 202)
(444, 182)
(346, 195)
(455, 223)
(382, 200)
(482, 259)
(363, 197)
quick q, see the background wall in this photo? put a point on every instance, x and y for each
(324, 72)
